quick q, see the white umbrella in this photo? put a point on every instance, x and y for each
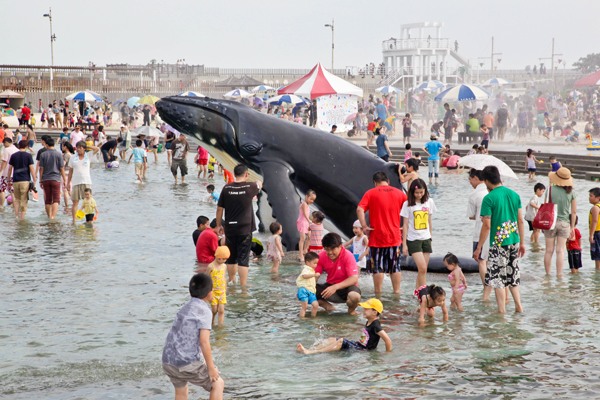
(480, 161)
(148, 131)
(237, 93)
(462, 93)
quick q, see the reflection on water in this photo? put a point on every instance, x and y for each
(85, 310)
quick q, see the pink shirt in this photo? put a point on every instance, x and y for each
(453, 161)
(339, 270)
(76, 137)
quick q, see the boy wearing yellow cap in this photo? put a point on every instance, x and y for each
(369, 339)
(216, 270)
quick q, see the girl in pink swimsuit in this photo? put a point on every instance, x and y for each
(303, 222)
(457, 281)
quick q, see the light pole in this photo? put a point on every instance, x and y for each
(332, 26)
(492, 58)
(52, 39)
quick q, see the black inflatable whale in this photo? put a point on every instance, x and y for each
(290, 158)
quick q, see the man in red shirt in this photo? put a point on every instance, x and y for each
(340, 266)
(207, 244)
(383, 203)
(25, 114)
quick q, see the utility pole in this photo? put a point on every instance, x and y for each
(492, 59)
(332, 26)
(52, 39)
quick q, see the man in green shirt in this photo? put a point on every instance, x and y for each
(502, 219)
(472, 124)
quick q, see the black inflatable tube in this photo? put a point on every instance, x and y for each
(436, 265)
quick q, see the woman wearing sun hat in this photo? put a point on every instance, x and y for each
(561, 194)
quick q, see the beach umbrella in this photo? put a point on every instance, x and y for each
(11, 94)
(496, 82)
(287, 98)
(388, 89)
(148, 131)
(431, 85)
(84, 95)
(237, 93)
(262, 88)
(148, 99)
(190, 93)
(132, 101)
(462, 93)
(258, 102)
(480, 161)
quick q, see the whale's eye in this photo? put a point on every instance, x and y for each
(251, 148)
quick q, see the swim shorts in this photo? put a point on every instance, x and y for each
(503, 267)
(384, 260)
(306, 296)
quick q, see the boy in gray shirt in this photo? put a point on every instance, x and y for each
(184, 361)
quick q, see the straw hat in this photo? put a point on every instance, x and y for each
(562, 177)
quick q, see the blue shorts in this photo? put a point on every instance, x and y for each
(352, 345)
(595, 248)
(306, 296)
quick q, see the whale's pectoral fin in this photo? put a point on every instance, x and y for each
(283, 198)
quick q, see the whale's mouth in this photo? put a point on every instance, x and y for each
(210, 122)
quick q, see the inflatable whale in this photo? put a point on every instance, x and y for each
(289, 158)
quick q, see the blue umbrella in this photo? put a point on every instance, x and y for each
(432, 85)
(463, 93)
(262, 88)
(388, 89)
(496, 82)
(132, 101)
(84, 95)
(289, 99)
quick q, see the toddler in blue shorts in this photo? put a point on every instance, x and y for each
(307, 284)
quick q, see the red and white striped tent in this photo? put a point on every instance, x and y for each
(320, 82)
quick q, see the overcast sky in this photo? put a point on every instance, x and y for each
(283, 33)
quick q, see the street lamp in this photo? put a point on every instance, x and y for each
(52, 40)
(332, 26)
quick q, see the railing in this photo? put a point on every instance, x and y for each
(410, 44)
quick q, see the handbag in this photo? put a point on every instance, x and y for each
(545, 219)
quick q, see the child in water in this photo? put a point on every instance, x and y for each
(274, 247)
(89, 206)
(430, 297)
(457, 281)
(316, 232)
(369, 339)
(574, 250)
(530, 162)
(303, 221)
(360, 245)
(216, 270)
(307, 284)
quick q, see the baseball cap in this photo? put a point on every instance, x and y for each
(222, 252)
(374, 304)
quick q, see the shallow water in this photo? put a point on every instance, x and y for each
(85, 312)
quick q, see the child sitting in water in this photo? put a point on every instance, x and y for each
(315, 230)
(216, 270)
(430, 297)
(307, 284)
(274, 247)
(213, 197)
(457, 280)
(369, 339)
(360, 245)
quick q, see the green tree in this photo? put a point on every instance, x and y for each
(589, 63)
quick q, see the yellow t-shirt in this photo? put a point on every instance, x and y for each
(311, 283)
(89, 206)
(597, 228)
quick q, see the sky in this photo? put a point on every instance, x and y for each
(290, 34)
